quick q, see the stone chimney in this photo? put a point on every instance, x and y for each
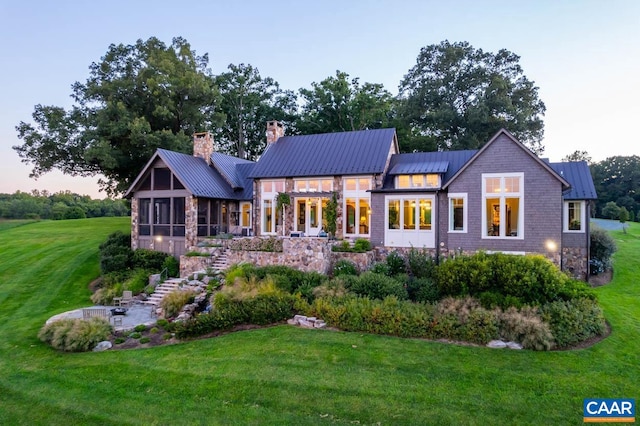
(275, 130)
(203, 146)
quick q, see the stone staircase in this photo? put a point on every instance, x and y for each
(162, 290)
(221, 262)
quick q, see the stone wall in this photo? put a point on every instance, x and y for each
(306, 254)
(363, 261)
(574, 261)
(134, 222)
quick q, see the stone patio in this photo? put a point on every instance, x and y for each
(136, 314)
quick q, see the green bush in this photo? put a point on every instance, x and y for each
(376, 286)
(116, 253)
(361, 245)
(466, 320)
(150, 260)
(172, 265)
(389, 316)
(140, 328)
(173, 302)
(344, 267)
(421, 264)
(144, 340)
(75, 335)
(396, 263)
(135, 335)
(603, 246)
(423, 290)
(573, 321)
(507, 280)
(138, 281)
(162, 323)
(153, 330)
(381, 268)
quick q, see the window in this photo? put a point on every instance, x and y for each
(430, 180)
(245, 215)
(313, 185)
(457, 213)
(161, 216)
(267, 216)
(574, 212)
(144, 216)
(357, 206)
(161, 179)
(410, 214)
(503, 212)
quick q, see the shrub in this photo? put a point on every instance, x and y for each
(344, 246)
(344, 267)
(173, 302)
(381, 268)
(376, 286)
(153, 330)
(336, 287)
(116, 253)
(149, 259)
(396, 264)
(75, 335)
(421, 264)
(573, 321)
(135, 335)
(464, 319)
(140, 328)
(239, 270)
(119, 340)
(423, 290)
(361, 245)
(603, 247)
(526, 327)
(138, 281)
(172, 265)
(162, 322)
(144, 340)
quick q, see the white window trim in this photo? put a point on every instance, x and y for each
(502, 196)
(306, 184)
(357, 194)
(565, 219)
(269, 195)
(244, 203)
(465, 213)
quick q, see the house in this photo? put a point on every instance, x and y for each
(178, 198)
(501, 197)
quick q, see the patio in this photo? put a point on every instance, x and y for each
(136, 314)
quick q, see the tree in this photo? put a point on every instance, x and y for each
(341, 104)
(617, 179)
(458, 97)
(578, 156)
(623, 216)
(611, 210)
(248, 102)
(137, 98)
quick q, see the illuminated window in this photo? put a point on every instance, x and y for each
(503, 214)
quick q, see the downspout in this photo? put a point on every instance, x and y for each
(438, 227)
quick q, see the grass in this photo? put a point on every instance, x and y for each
(285, 375)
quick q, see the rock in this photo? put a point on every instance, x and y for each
(291, 321)
(319, 324)
(305, 324)
(514, 345)
(496, 344)
(298, 318)
(103, 346)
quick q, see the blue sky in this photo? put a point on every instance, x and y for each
(583, 55)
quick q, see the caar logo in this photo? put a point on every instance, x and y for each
(621, 410)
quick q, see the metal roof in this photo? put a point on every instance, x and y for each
(446, 162)
(419, 167)
(226, 166)
(201, 179)
(327, 154)
(577, 173)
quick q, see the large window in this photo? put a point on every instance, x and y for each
(269, 217)
(212, 217)
(574, 212)
(503, 212)
(410, 214)
(457, 212)
(357, 206)
(161, 216)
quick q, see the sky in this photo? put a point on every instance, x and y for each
(584, 56)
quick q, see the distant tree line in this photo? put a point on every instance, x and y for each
(58, 206)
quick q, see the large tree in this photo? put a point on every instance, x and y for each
(457, 97)
(137, 98)
(617, 180)
(248, 102)
(343, 104)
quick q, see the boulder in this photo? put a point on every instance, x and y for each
(496, 344)
(103, 346)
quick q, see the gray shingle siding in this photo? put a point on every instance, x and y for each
(542, 201)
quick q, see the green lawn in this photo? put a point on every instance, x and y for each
(285, 375)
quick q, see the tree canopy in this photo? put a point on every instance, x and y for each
(458, 97)
(340, 104)
(137, 98)
(617, 180)
(248, 101)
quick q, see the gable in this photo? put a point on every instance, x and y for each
(328, 154)
(505, 154)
